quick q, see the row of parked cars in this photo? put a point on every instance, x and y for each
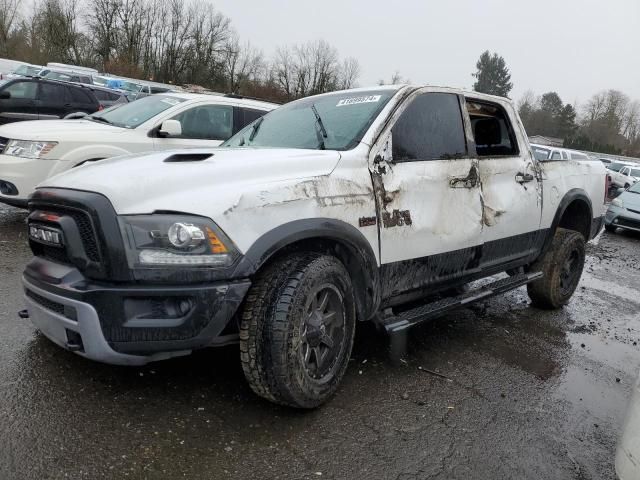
(31, 92)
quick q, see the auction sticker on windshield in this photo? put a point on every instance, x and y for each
(358, 100)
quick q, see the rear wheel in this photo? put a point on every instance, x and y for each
(561, 267)
(297, 330)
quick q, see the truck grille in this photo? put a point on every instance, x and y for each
(85, 229)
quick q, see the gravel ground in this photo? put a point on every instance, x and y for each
(521, 394)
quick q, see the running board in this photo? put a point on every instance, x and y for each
(409, 318)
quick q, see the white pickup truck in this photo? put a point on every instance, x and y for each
(361, 205)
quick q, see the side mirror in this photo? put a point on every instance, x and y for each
(170, 128)
(5, 95)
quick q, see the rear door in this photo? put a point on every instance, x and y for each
(511, 188)
(21, 105)
(82, 100)
(428, 195)
(202, 126)
(51, 100)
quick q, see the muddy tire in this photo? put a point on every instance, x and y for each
(297, 329)
(561, 267)
(610, 228)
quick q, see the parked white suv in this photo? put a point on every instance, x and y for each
(34, 151)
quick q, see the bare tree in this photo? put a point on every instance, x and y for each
(349, 73)
(8, 21)
(242, 63)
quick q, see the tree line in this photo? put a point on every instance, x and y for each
(169, 41)
(609, 122)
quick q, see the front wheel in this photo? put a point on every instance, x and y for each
(610, 228)
(297, 330)
(561, 267)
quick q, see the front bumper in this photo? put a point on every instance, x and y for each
(116, 325)
(623, 218)
(24, 174)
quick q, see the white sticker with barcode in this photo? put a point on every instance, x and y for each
(357, 100)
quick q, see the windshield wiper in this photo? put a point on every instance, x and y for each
(100, 119)
(322, 134)
(255, 128)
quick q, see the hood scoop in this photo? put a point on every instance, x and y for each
(187, 157)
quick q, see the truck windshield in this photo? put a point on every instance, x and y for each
(335, 121)
(134, 114)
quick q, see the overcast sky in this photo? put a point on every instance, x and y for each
(575, 47)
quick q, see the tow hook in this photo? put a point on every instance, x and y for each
(23, 313)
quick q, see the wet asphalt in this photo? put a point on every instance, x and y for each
(497, 391)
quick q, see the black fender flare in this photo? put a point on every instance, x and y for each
(355, 252)
(569, 197)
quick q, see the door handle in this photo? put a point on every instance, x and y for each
(524, 177)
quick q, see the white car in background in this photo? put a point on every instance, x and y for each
(546, 153)
(31, 152)
(25, 70)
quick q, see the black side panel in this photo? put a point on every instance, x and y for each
(408, 275)
(352, 248)
(507, 250)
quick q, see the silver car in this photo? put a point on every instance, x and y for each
(624, 211)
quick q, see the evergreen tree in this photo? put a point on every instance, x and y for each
(492, 75)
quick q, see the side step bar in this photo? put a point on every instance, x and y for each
(409, 318)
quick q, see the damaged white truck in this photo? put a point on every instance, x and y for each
(361, 205)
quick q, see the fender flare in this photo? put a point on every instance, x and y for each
(355, 252)
(570, 196)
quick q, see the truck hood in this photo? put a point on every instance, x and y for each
(56, 130)
(144, 183)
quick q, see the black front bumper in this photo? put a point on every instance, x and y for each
(135, 319)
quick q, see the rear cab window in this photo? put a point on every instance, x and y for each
(492, 130)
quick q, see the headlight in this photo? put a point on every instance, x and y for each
(27, 149)
(617, 202)
(175, 241)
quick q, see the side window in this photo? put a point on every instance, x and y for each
(492, 130)
(249, 115)
(25, 90)
(51, 93)
(430, 128)
(565, 156)
(555, 155)
(80, 96)
(624, 171)
(101, 95)
(207, 122)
